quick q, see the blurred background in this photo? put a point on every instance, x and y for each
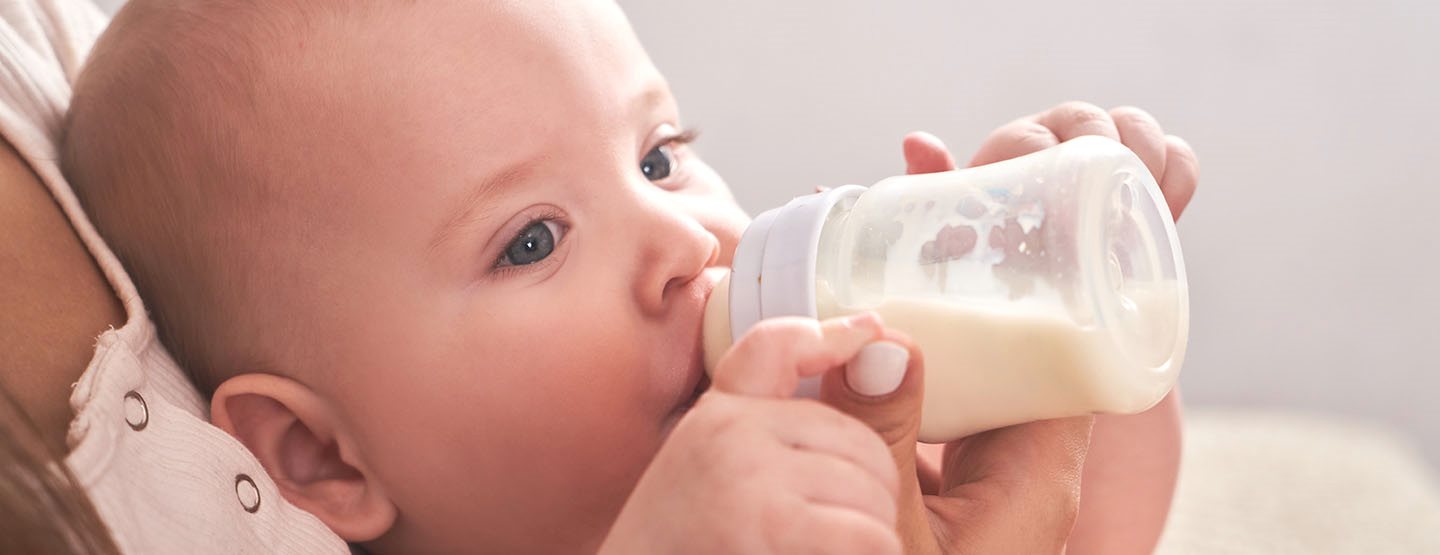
(1313, 246)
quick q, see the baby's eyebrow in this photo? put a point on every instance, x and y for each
(471, 205)
(654, 95)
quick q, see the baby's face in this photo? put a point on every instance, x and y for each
(503, 255)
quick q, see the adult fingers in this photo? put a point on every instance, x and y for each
(1017, 138)
(1073, 119)
(1182, 174)
(1046, 448)
(1141, 133)
(925, 153)
(1014, 490)
(883, 387)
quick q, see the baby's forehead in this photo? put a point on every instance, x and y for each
(301, 75)
(445, 92)
(335, 87)
(507, 68)
(471, 57)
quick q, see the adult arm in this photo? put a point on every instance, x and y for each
(53, 300)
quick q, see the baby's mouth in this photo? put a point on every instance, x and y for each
(706, 282)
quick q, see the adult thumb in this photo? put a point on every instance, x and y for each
(882, 386)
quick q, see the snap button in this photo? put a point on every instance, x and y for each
(248, 494)
(137, 414)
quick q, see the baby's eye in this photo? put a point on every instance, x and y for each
(663, 162)
(657, 163)
(532, 245)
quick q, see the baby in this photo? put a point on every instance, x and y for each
(441, 267)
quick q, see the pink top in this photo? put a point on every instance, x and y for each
(162, 478)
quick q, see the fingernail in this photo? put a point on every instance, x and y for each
(878, 369)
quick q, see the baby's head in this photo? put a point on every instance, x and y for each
(441, 263)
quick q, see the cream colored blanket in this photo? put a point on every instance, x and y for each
(1277, 482)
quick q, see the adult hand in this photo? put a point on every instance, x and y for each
(1012, 490)
(1145, 491)
(1170, 158)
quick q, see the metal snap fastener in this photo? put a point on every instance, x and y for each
(137, 413)
(248, 494)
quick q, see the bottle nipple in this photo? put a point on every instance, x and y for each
(716, 333)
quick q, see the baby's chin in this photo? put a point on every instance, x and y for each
(695, 386)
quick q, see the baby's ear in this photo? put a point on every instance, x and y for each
(307, 451)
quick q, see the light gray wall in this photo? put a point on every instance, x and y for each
(1312, 245)
(110, 5)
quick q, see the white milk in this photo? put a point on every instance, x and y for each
(990, 365)
(997, 364)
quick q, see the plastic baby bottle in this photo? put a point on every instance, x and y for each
(1045, 286)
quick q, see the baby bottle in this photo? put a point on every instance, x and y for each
(1045, 286)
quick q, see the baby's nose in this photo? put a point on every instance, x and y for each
(674, 250)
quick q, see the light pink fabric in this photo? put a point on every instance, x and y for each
(162, 478)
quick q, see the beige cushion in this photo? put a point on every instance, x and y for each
(1276, 482)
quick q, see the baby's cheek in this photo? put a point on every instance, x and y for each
(545, 406)
(585, 399)
(523, 447)
(594, 439)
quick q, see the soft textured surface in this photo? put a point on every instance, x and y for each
(1272, 482)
